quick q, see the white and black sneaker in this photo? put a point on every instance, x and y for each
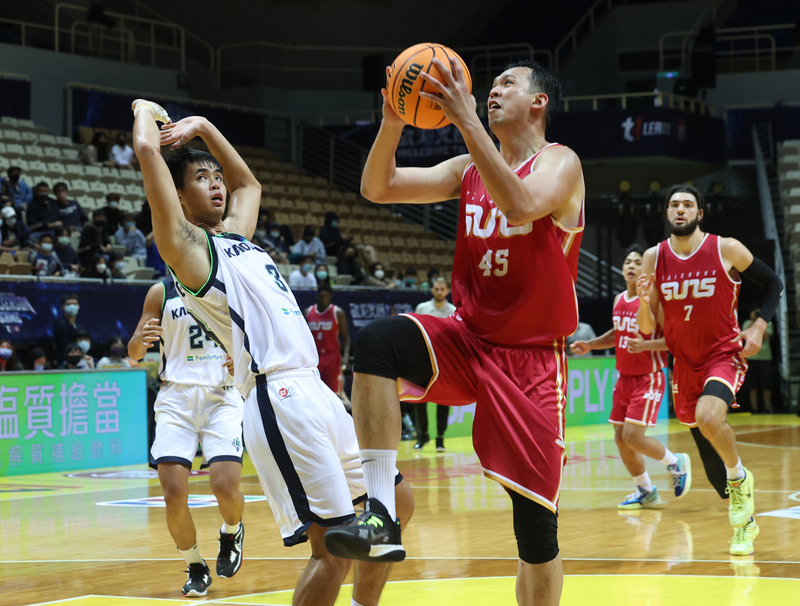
(197, 582)
(231, 547)
(372, 536)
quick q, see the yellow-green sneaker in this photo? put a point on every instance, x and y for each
(742, 504)
(742, 541)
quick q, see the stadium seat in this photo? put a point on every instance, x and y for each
(9, 121)
(70, 153)
(51, 153)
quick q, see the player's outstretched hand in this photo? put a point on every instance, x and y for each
(228, 363)
(453, 94)
(580, 348)
(752, 341)
(159, 113)
(178, 134)
(151, 332)
(644, 287)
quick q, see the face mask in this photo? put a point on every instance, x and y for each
(84, 345)
(322, 275)
(63, 240)
(275, 234)
(120, 265)
(379, 273)
(47, 247)
(74, 359)
(117, 351)
(13, 178)
(11, 222)
(71, 310)
(307, 268)
(5, 353)
(101, 268)
(334, 224)
(261, 234)
(410, 281)
(100, 224)
(398, 282)
(130, 224)
(38, 366)
(113, 204)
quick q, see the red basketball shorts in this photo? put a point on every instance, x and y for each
(520, 394)
(688, 383)
(637, 399)
(329, 366)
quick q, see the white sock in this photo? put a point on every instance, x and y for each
(643, 481)
(378, 466)
(225, 529)
(736, 472)
(192, 556)
(354, 603)
(669, 458)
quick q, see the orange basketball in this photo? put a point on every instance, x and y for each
(404, 84)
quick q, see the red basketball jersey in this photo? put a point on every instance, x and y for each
(325, 328)
(514, 285)
(699, 299)
(626, 328)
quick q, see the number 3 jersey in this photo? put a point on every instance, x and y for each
(248, 309)
(626, 329)
(187, 355)
(699, 299)
(514, 286)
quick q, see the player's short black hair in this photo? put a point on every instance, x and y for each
(542, 80)
(60, 185)
(68, 297)
(682, 188)
(178, 160)
(637, 248)
(324, 287)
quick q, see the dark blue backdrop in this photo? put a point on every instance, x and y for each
(15, 98)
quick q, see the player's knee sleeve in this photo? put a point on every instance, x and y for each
(536, 529)
(391, 348)
(718, 389)
(712, 462)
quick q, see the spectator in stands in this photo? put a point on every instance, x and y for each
(144, 220)
(348, 266)
(275, 239)
(308, 245)
(762, 372)
(129, 236)
(330, 235)
(377, 277)
(116, 357)
(122, 153)
(303, 276)
(66, 329)
(410, 281)
(262, 239)
(584, 332)
(114, 215)
(84, 342)
(8, 356)
(322, 274)
(16, 189)
(43, 215)
(72, 214)
(14, 233)
(98, 268)
(432, 275)
(73, 358)
(37, 360)
(46, 262)
(154, 259)
(66, 254)
(96, 152)
(94, 239)
(116, 265)
(397, 278)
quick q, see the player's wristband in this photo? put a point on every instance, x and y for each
(159, 113)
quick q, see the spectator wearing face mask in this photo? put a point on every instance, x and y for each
(73, 358)
(17, 189)
(397, 278)
(377, 277)
(131, 238)
(322, 274)
(348, 266)
(114, 216)
(96, 152)
(14, 233)
(122, 153)
(275, 239)
(330, 235)
(304, 276)
(66, 329)
(94, 239)
(116, 357)
(43, 213)
(66, 254)
(71, 213)
(308, 245)
(38, 360)
(98, 268)
(8, 356)
(84, 343)
(46, 262)
(116, 265)
(261, 237)
(410, 281)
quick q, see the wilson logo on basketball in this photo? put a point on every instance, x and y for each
(699, 289)
(406, 86)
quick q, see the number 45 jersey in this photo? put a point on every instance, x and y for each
(248, 309)
(187, 355)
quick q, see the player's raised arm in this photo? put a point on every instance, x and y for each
(383, 182)
(243, 187)
(647, 315)
(148, 331)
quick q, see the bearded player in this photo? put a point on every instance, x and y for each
(690, 286)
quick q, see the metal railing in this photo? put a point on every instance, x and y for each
(771, 233)
(570, 41)
(591, 271)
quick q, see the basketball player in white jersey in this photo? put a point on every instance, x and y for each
(298, 435)
(197, 402)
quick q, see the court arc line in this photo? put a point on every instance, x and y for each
(769, 446)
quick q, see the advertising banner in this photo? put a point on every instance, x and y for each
(67, 421)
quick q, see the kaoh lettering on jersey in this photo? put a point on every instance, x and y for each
(626, 324)
(287, 392)
(477, 227)
(292, 311)
(206, 358)
(695, 287)
(178, 312)
(240, 247)
(320, 325)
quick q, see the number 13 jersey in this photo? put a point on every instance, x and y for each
(514, 286)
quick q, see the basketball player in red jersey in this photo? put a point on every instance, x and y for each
(690, 284)
(638, 392)
(327, 322)
(520, 226)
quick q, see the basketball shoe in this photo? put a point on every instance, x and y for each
(742, 504)
(681, 473)
(641, 499)
(197, 582)
(372, 536)
(440, 445)
(229, 558)
(743, 537)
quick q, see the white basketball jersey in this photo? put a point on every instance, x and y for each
(187, 354)
(248, 309)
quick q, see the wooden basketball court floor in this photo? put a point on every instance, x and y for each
(63, 541)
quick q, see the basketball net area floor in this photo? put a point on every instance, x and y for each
(100, 538)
